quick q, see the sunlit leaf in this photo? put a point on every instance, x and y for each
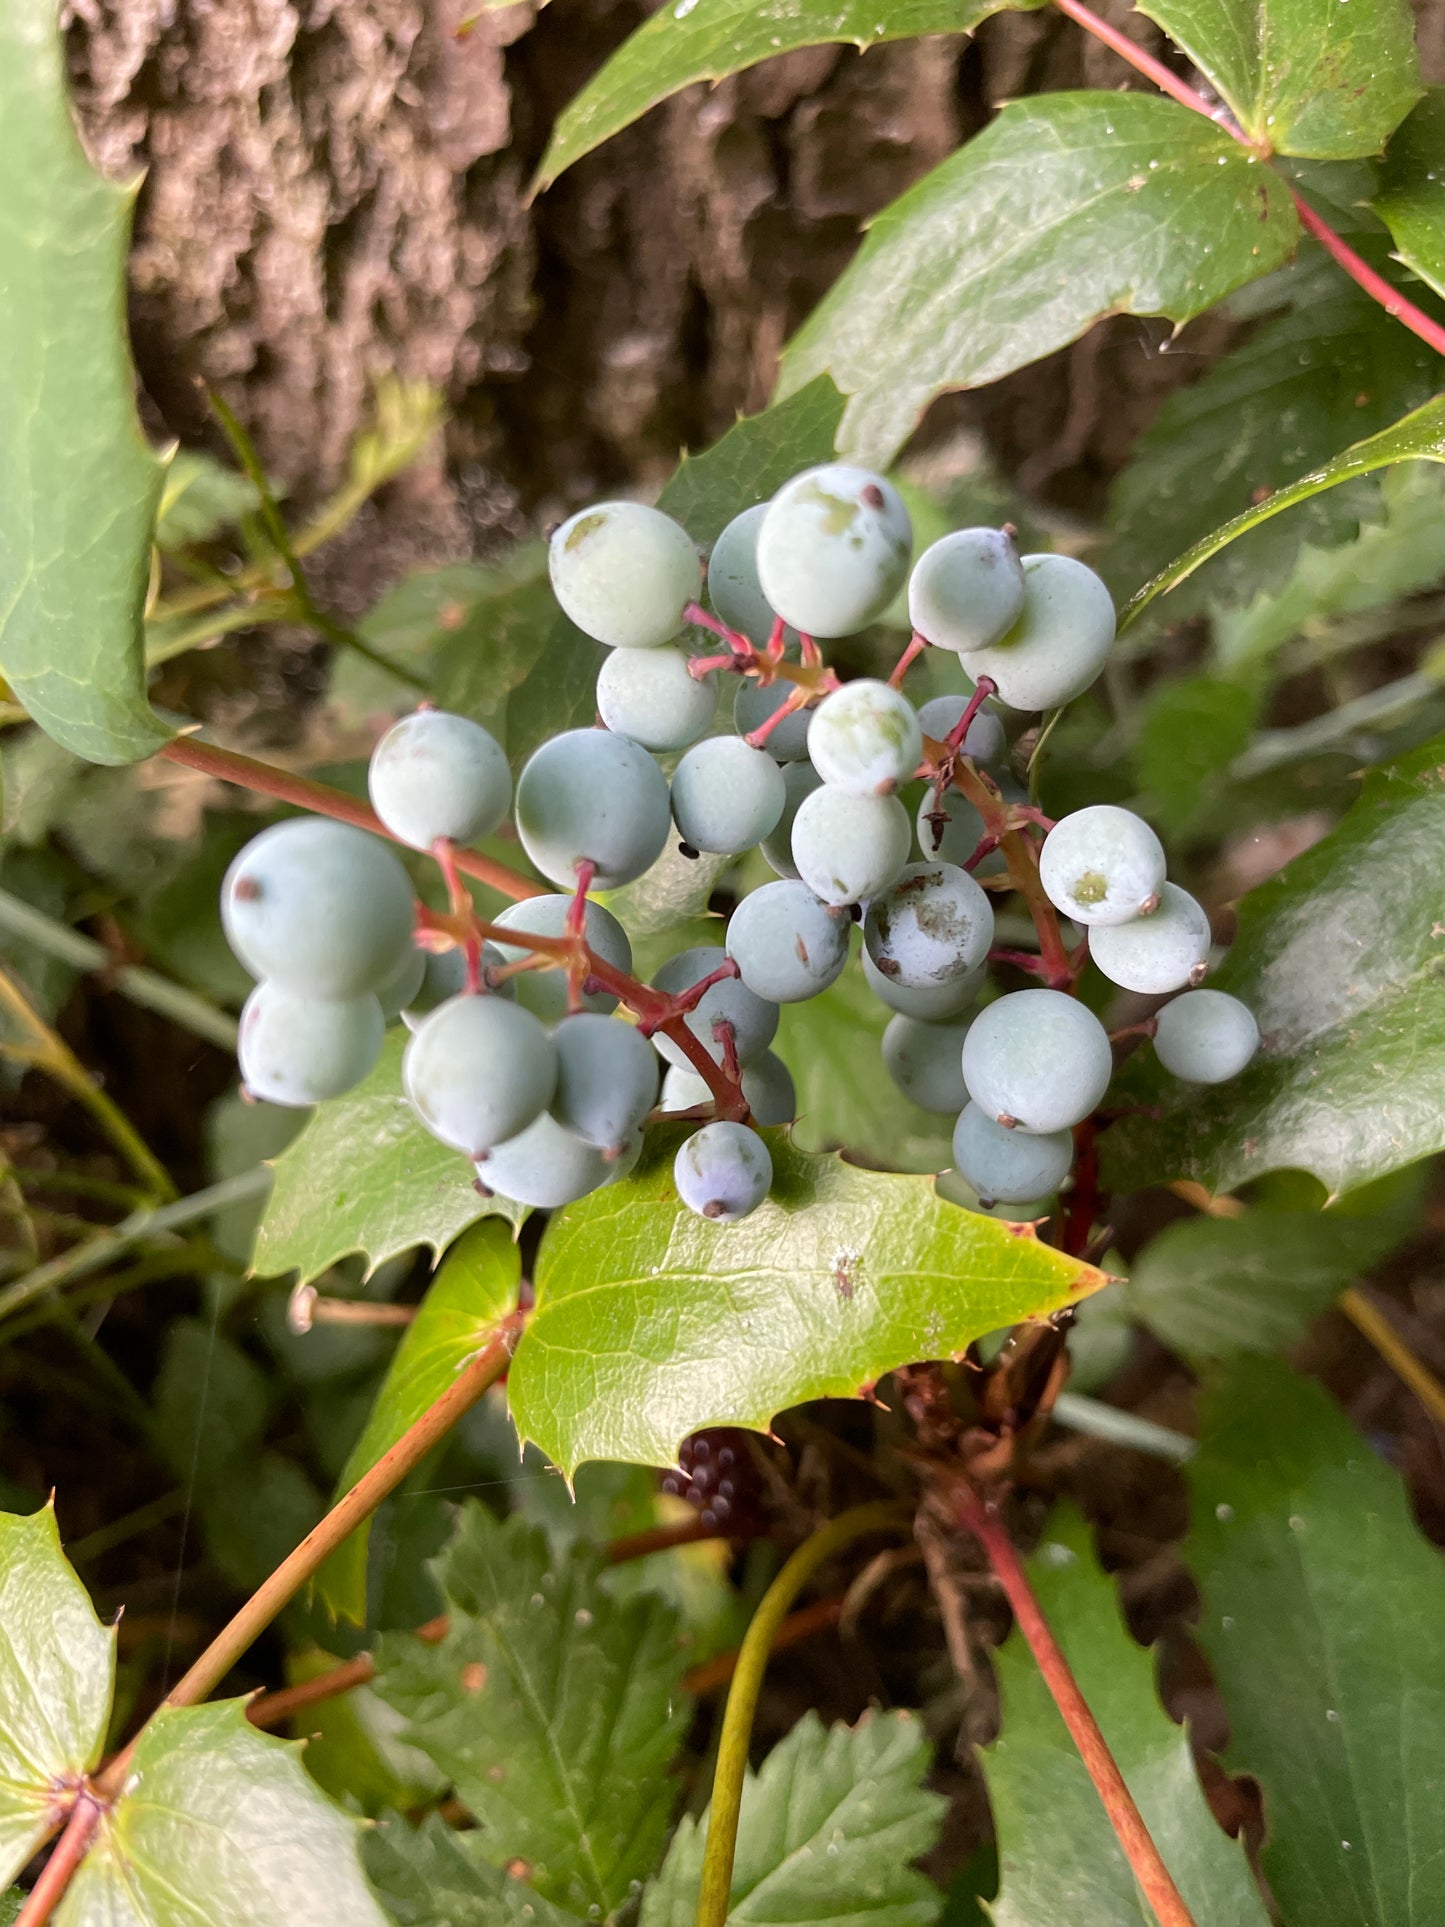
(57, 1664)
(78, 485)
(1066, 208)
(652, 1322)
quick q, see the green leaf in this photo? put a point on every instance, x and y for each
(10, 1905)
(1340, 959)
(1397, 556)
(686, 42)
(1419, 437)
(1190, 731)
(846, 1100)
(553, 1708)
(1324, 1624)
(57, 1665)
(1304, 77)
(1411, 201)
(1309, 382)
(652, 1322)
(484, 666)
(78, 486)
(365, 1175)
(431, 1876)
(474, 1290)
(219, 1824)
(1066, 208)
(1214, 1287)
(1059, 1858)
(750, 463)
(352, 1747)
(200, 497)
(211, 1402)
(827, 1831)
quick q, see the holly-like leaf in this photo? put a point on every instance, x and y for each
(1232, 445)
(1059, 1858)
(846, 1100)
(1305, 77)
(686, 42)
(365, 1175)
(57, 1665)
(430, 1875)
(554, 1708)
(1411, 201)
(1213, 1287)
(219, 1824)
(826, 1834)
(474, 1290)
(750, 463)
(652, 1322)
(1066, 208)
(1340, 957)
(1420, 437)
(1324, 1623)
(78, 486)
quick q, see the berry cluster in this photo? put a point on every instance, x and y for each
(715, 1473)
(518, 1057)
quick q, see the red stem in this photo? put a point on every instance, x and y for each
(481, 1372)
(1083, 1201)
(982, 691)
(982, 1520)
(48, 1891)
(460, 899)
(916, 646)
(1395, 304)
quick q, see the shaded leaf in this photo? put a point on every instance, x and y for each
(78, 485)
(365, 1175)
(473, 1291)
(199, 497)
(1213, 1287)
(1066, 208)
(1396, 556)
(211, 1402)
(353, 1751)
(828, 1828)
(1324, 1623)
(1340, 959)
(1310, 381)
(57, 1665)
(431, 1876)
(846, 1100)
(10, 1905)
(1411, 201)
(1419, 437)
(219, 1824)
(1306, 77)
(1040, 1790)
(1191, 728)
(687, 42)
(652, 1322)
(750, 463)
(554, 1709)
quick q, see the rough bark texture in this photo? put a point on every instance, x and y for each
(337, 187)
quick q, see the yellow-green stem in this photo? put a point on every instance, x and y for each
(737, 1727)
